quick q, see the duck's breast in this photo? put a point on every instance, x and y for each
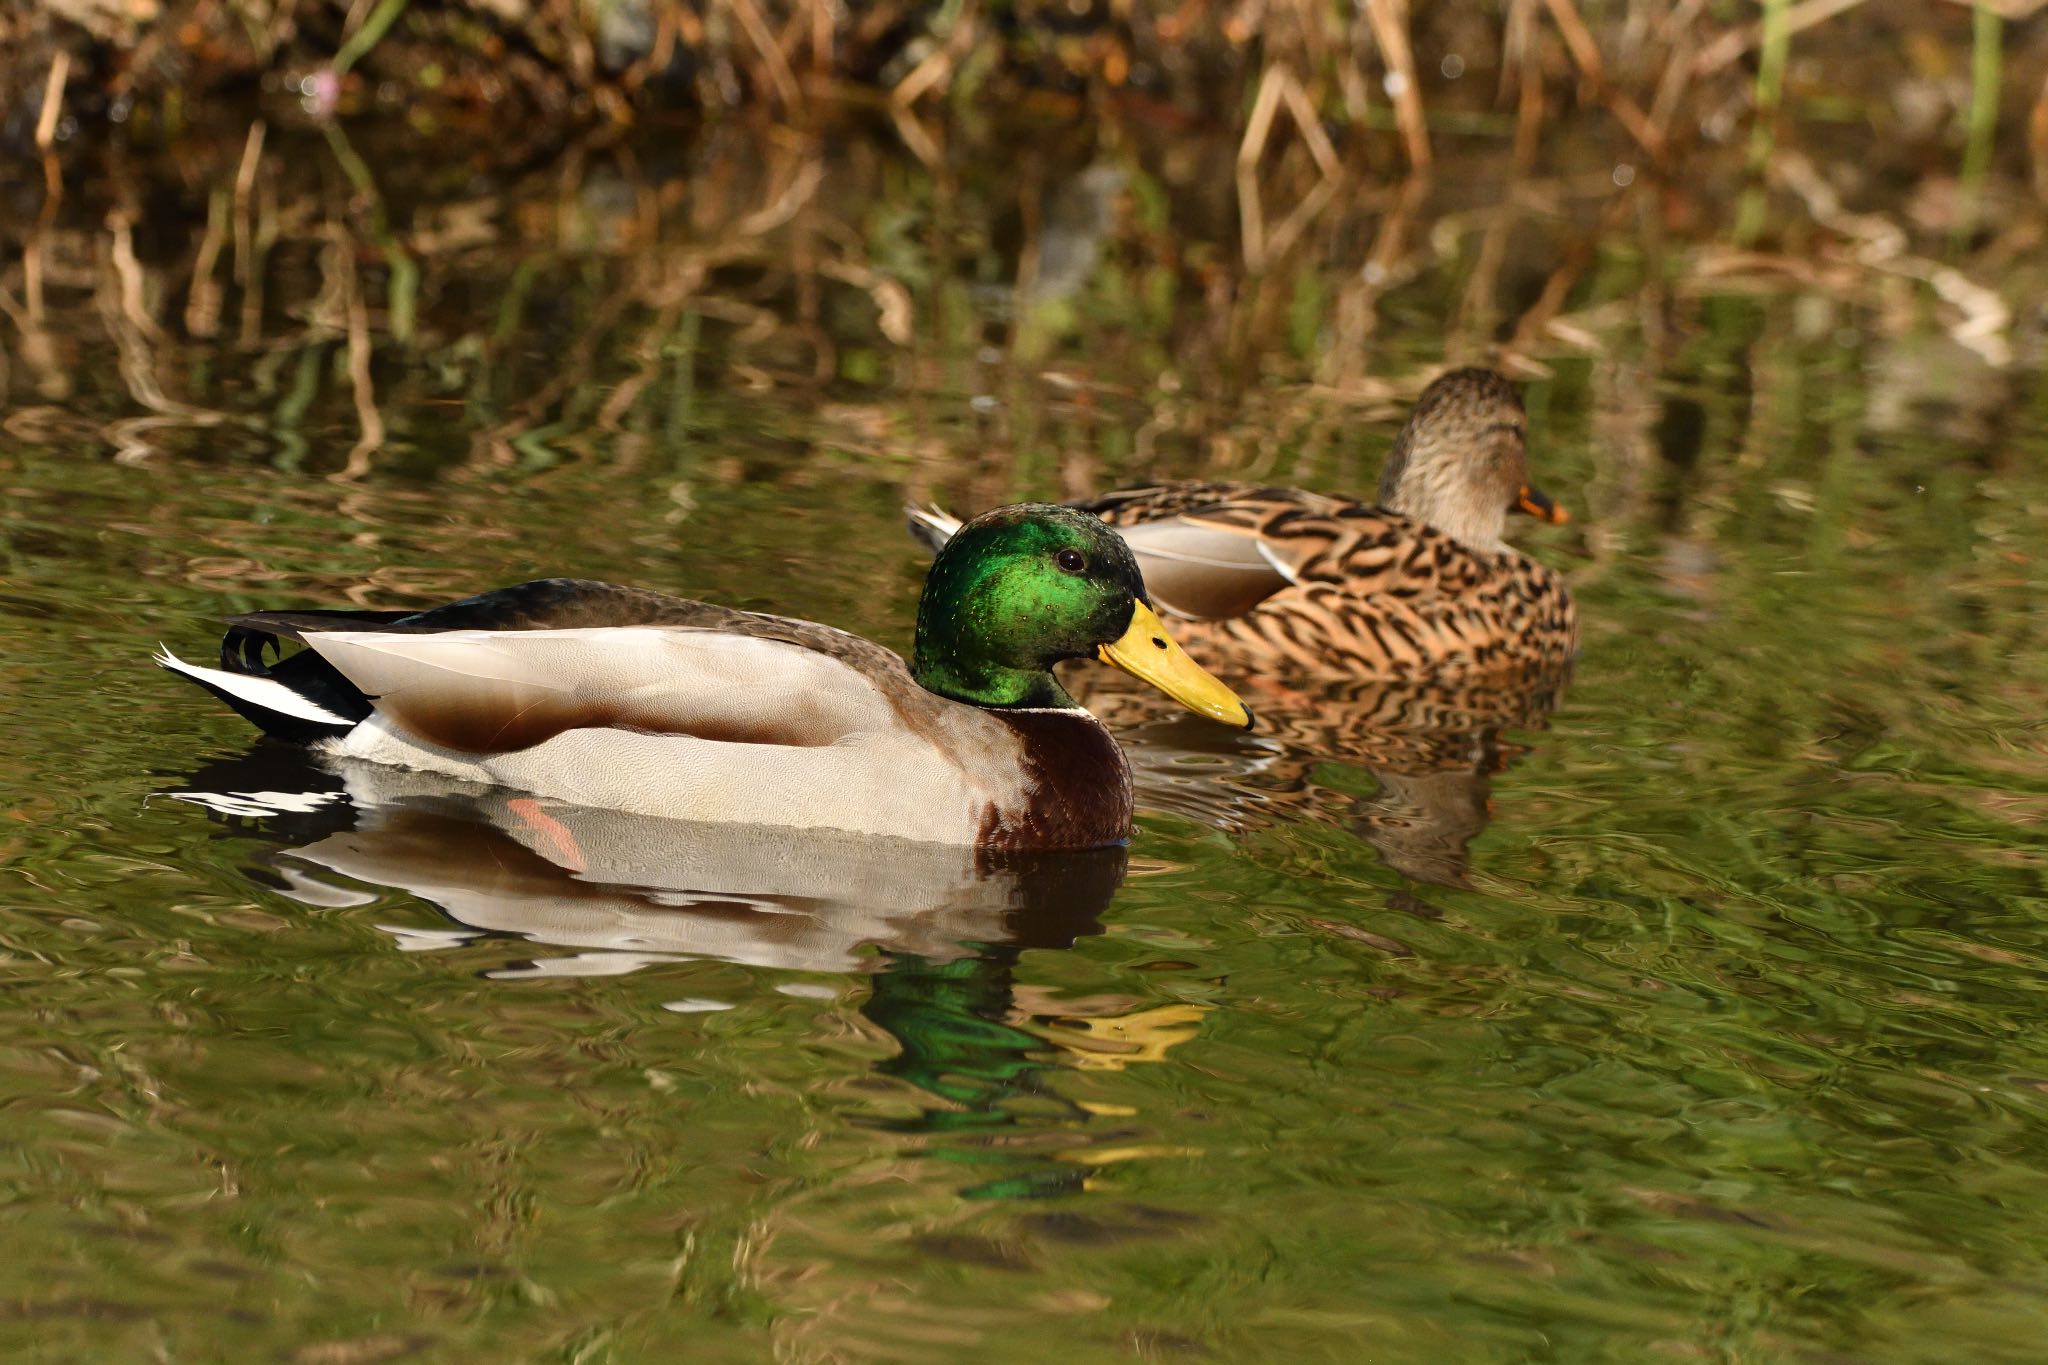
(1077, 784)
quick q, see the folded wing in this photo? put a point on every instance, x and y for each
(1197, 569)
(492, 692)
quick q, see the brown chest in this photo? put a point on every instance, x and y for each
(1077, 788)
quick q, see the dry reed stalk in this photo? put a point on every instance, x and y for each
(574, 38)
(53, 100)
(1585, 52)
(1291, 227)
(128, 272)
(2037, 141)
(1389, 20)
(915, 136)
(1578, 40)
(1678, 33)
(1671, 88)
(1528, 100)
(1730, 46)
(1265, 105)
(763, 41)
(1517, 39)
(1351, 86)
(328, 310)
(667, 22)
(245, 184)
(891, 299)
(798, 191)
(265, 234)
(938, 66)
(1318, 141)
(1550, 302)
(32, 279)
(1279, 87)
(820, 12)
(46, 131)
(38, 348)
(361, 350)
(121, 301)
(203, 294)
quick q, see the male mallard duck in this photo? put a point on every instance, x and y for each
(1283, 580)
(629, 700)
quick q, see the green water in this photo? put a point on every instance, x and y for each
(1699, 1018)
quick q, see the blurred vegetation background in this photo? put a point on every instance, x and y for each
(1103, 232)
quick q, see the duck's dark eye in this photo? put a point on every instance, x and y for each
(1073, 561)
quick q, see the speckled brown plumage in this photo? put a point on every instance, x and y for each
(1285, 581)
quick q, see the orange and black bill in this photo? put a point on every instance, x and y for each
(1537, 504)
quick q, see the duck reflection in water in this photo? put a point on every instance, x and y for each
(1432, 749)
(940, 929)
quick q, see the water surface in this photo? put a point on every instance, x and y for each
(1688, 1009)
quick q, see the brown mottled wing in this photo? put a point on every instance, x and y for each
(1353, 589)
(1467, 614)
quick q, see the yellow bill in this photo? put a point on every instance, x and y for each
(1148, 653)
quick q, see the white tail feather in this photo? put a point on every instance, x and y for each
(941, 525)
(267, 693)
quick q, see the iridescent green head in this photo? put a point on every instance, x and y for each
(1021, 588)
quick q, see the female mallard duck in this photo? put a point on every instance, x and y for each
(1283, 580)
(629, 700)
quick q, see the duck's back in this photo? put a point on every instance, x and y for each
(1306, 583)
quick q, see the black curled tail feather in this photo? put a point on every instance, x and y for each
(252, 634)
(251, 637)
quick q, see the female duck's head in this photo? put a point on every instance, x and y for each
(1461, 464)
(1018, 589)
